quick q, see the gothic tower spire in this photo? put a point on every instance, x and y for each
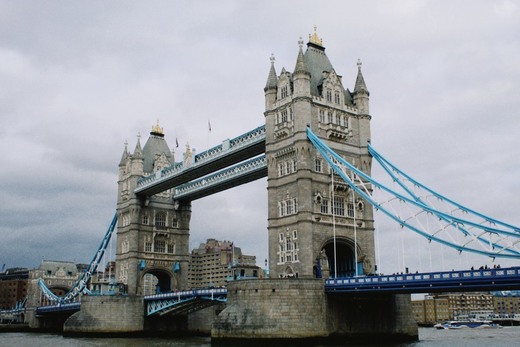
(361, 93)
(271, 86)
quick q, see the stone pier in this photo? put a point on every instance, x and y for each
(107, 315)
(299, 311)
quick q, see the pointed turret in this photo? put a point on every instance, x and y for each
(138, 152)
(272, 80)
(271, 86)
(137, 158)
(361, 93)
(125, 155)
(301, 77)
(300, 62)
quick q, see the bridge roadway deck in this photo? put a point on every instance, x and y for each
(185, 301)
(447, 281)
(431, 282)
(52, 309)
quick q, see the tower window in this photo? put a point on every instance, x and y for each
(339, 206)
(318, 167)
(284, 116)
(287, 207)
(284, 92)
(160, 220)
(159, 246)
(350, 209)
(336, 97)
(329, 95)
(145, 219)
(324, 208)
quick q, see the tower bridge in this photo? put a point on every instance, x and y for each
(315, 151)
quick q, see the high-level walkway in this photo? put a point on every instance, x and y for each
(229, 153)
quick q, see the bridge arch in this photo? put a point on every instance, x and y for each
(155, 281)
(345, 257)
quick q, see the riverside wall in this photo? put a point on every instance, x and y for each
(299, 310)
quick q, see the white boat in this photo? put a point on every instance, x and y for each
(473, 324)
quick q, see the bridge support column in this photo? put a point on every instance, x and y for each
(299, 310)
(107, 315)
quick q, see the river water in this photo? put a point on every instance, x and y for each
(428, 337)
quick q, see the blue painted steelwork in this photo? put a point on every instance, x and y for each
(45, 310)
(17, 309)
(255, 135)
(256, 167)
(505, 244)
(167, 302)
(389, 167)
(252, 138)
(80, 285)
(485, 224)
(447, 281)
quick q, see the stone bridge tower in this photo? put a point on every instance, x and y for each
(316, 228)
(152, 231)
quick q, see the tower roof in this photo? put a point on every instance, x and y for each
(272, 80)
(155, 146)
(124, 157)
(300, 61)
(360, 81)
(316, 61)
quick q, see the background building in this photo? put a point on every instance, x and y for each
(449, 306)
(431, 310)
(507, 303)
(13, 286)
(214, 263)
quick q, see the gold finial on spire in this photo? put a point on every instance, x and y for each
(315, 39)
(157, 130)
(359, 63)
(272, 59)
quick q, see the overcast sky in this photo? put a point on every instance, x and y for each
(79, 78)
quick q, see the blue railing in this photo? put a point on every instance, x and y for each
(167, 301)
(254, 136)
(75, 306)
(461, 280)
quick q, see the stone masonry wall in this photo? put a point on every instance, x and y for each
(273, 309)
(107, 315)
